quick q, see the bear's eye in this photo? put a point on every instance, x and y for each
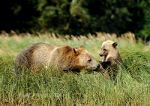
(89, 60)
(104, 49)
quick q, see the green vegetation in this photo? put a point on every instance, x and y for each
(51, 87)
(76, 16)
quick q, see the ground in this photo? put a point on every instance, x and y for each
(86, 89)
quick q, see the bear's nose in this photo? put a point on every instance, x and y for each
(97, 67)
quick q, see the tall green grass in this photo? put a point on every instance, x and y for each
(51, 87)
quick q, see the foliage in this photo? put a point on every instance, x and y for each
(76, 16)
(146, 23)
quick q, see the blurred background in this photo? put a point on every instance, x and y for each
(76, 17)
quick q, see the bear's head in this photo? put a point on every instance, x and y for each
(109, 50)
(83, 59)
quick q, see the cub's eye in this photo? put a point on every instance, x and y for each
(89, 60)
(104, 49)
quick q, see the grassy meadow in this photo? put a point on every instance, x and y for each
(56, 88)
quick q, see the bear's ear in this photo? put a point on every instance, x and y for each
(114, 44)
(75, 50)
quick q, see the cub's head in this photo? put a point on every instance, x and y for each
(107, 48)
(84, 60)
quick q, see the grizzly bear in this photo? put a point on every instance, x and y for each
(111, 59)
(63, 58)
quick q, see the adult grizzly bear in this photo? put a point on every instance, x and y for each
(111, 59)
(65, 58)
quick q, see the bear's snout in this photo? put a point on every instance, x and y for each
(97, 67)
(100, 54)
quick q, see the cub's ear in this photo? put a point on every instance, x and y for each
(114, 44)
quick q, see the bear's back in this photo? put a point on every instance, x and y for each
(38, 53)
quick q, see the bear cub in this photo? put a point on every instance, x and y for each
(111, 59)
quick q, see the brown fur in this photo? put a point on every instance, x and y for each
(60, 57)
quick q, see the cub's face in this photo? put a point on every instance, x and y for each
(107, 47)
(86, 60)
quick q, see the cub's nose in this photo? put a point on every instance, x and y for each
(100, 55)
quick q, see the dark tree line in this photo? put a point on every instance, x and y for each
(76, 16)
